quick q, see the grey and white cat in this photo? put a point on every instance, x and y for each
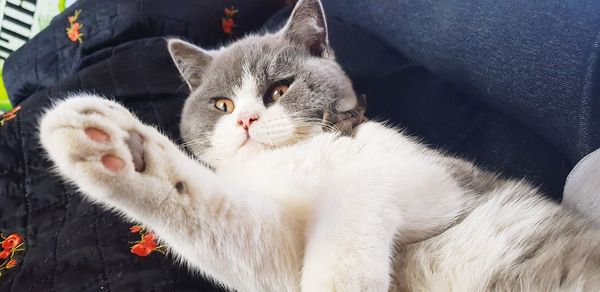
(291, 204)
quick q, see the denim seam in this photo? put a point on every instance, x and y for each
(591, 80)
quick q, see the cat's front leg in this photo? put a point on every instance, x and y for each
(349, 246)
(240, 240)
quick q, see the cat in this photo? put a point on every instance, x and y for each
(296, 191)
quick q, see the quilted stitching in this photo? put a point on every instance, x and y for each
(73, 245)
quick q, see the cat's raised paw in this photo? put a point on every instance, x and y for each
(95, 143)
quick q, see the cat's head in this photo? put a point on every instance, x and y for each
(263, 91)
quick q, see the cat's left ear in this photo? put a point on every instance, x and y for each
(307, 27)
(191, 61)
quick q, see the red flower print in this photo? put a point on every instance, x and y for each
(230, 12)
(74, 35)
(12, 245)
(228, 25)
(9, 115)
(147, 243)
(74, 17)
(149, 238)
(152, 245)
(135, 229)
(12, 241)
(11, 264)
(142, 249)
(73, 32)
(227, 22)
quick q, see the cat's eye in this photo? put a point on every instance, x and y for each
(278, 91)
(224, 104)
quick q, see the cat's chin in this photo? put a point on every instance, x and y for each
(251, 143)
(251, 146)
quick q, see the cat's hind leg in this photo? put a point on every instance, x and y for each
(373, 204)
(241, 240)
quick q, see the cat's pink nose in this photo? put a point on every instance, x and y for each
(246, 119)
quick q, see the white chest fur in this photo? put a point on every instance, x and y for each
(378, 162)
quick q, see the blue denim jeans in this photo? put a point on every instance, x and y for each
(535, 61)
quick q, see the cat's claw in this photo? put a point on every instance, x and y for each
(135, 141)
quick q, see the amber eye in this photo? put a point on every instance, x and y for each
(224, 104)
(278, 92)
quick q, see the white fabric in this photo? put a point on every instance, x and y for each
(582, 189)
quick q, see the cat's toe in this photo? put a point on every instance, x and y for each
(97, 135)
(112, 162)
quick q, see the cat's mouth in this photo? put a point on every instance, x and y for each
(250, 141)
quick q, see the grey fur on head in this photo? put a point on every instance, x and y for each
(298, 55)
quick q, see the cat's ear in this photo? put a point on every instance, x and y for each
(191, 61)
(307, 27)
(344, 121)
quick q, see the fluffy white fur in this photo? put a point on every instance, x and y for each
(254, 225)
(320, 215)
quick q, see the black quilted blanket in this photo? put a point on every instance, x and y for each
(67, 244)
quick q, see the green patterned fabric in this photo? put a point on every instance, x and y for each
(4, 102)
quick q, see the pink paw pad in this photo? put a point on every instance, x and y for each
(112, 162)
(97, 135)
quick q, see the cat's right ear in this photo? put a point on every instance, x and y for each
(191, 61)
